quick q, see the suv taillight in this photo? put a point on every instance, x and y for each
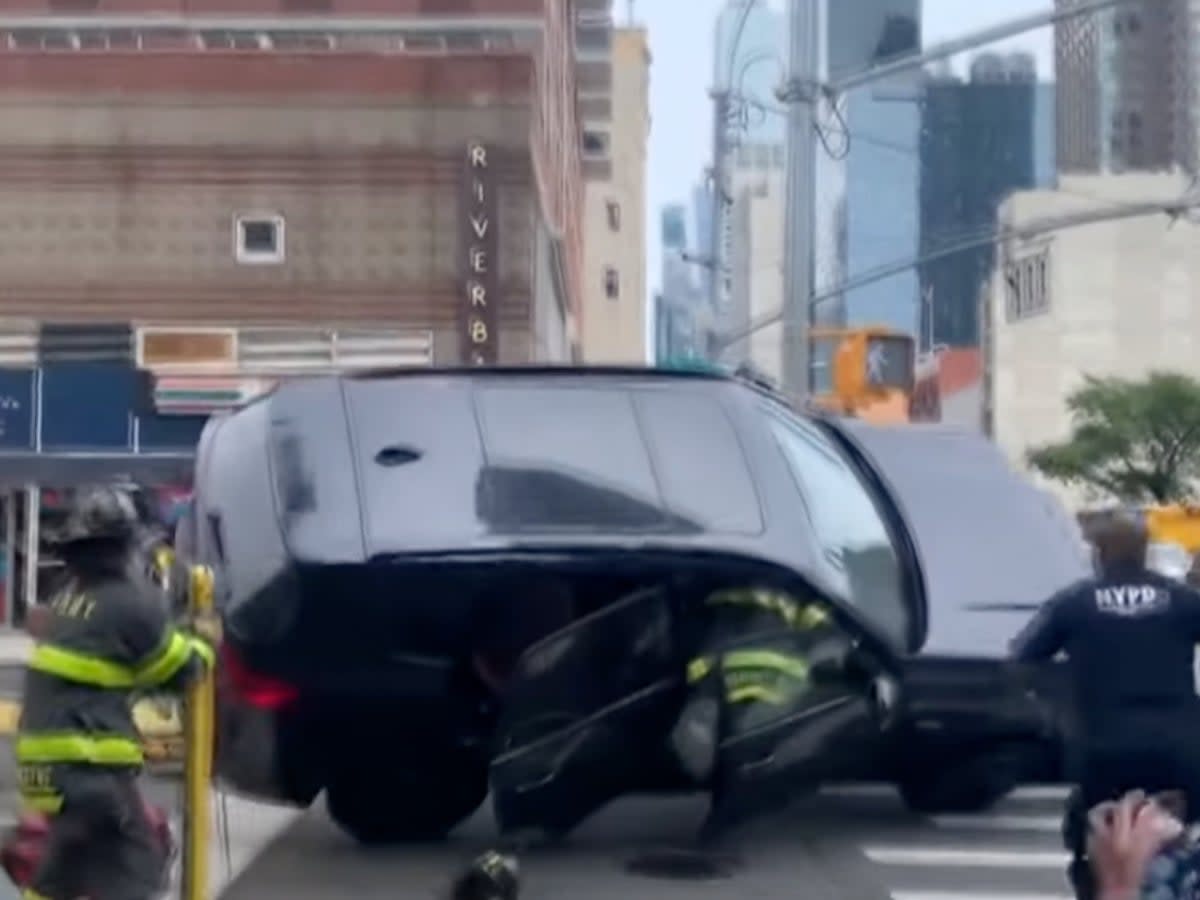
(257, 690)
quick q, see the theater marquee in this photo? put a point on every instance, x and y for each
(479, 315)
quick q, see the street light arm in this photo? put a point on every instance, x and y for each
(1048, 225)
(971, 41)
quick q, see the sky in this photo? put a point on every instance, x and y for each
(681, 37)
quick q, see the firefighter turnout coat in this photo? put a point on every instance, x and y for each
(104, 642)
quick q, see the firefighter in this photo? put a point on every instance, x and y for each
(106, 636)
(754, 667)
(1129, 636)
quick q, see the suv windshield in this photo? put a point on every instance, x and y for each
(856, 548)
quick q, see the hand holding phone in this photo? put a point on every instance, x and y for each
(1124, 837)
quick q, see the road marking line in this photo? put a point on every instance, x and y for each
(1000, 822)
(967, 858)
(1040, 792)
(881, 789)
(858, 790)
(976, 895)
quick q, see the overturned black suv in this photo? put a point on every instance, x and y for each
(374, 534)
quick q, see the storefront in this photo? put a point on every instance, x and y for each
(69, 424)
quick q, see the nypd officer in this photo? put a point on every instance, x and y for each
(1129, 636)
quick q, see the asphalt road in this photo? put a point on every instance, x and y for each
(854, 843)
(849, 844)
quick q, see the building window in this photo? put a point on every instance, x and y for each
(259, 239)
(595, 143)
(612, 283)
(1027, 286)
(614, 215)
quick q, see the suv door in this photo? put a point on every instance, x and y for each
(591, 706)
(831, 730)
(583, 712)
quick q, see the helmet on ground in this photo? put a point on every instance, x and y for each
(97, 514)
(491, 876)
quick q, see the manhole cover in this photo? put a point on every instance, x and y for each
(682, 864)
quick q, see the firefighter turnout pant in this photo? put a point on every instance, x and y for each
(101, 843)
(730, 693)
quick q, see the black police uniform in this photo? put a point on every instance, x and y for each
(1130, 637)
(77, 748)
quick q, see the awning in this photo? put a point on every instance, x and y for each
(68, 469)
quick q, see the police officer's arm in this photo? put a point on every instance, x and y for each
(162, 656)
(1046, 633)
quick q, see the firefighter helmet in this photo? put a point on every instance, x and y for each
(97, 514)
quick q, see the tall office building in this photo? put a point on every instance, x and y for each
(749, 61)
(866, 32)
(614, 292)
(876, 221)
(678, 319)
(981, 140)
(1126, 97)
(756, 265)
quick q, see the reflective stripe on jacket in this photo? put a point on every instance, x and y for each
(769, 673)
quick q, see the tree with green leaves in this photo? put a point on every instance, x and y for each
(1135, 441)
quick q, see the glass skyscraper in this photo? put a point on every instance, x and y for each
(679, 331)
(868, 167)
(981, 140)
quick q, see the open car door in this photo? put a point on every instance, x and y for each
(586, 713)
(591, 707)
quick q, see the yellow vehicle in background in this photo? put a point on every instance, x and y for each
(1175, 524)
(865, 372)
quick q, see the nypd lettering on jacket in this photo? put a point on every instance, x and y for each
(1132, 599)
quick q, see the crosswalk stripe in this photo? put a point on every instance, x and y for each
(978, 895)
(1056, 792)
(1000, 821)
(967, 858)
(1040, 792)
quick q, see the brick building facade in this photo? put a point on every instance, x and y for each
(203, 196)
(212, 180)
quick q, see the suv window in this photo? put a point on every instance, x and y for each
(855, 544)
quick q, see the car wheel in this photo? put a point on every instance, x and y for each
(971, 786)
(411, 804)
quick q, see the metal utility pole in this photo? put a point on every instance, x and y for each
(802, 93)
(800, 201)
